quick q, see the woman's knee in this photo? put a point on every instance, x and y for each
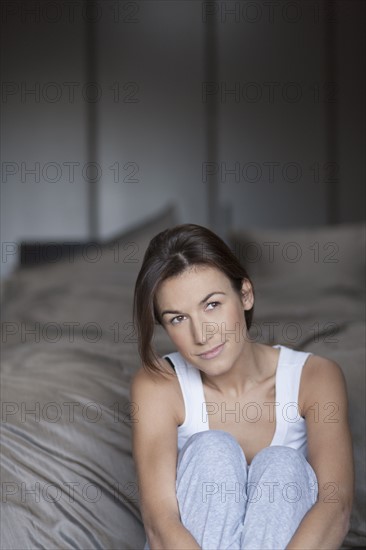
(278, 454)
(287, 468)
(283, 460)
(211, 444)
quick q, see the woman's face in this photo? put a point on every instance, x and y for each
(201, 311)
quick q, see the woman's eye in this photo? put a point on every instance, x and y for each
(172, 321)
(211, 303)
(177, 320)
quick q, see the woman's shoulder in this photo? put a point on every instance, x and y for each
(162, 385)
(317, 364)
(145, 376)
(319, 376)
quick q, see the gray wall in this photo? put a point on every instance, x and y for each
(274, 132)
(150, 122)
(42, 131)
(159, 61)
(350, 57)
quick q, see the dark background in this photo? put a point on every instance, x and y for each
(244, 113)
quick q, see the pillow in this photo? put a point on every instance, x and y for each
(314, 257)
(60, 301)
(115, 261)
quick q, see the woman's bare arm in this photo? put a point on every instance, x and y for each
(330, 453)
(154, 448)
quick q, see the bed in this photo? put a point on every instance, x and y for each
(68, 353)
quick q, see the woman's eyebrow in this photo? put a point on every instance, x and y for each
(201, 302)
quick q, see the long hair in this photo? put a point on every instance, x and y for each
(168, 254)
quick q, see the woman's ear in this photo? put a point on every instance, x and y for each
(247, 296)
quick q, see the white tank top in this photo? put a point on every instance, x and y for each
(290, 425)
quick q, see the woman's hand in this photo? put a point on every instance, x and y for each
(171, 535)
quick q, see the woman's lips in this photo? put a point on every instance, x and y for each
(213, 353)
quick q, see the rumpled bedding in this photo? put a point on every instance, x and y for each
(69, 351)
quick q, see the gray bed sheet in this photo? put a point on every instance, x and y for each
(69, 351)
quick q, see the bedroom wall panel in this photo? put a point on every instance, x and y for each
(43, 184)
(151, 121)
(271, 123)
(351, 53)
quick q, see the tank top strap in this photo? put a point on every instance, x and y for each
(290, 368)
(288, 378)
(194, 401)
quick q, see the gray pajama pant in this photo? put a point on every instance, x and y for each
(226, 504)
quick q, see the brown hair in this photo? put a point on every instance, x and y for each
(168, 254)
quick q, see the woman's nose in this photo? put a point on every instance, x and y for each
(200, 331)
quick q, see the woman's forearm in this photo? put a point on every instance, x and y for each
(322, 527)
(171, 535)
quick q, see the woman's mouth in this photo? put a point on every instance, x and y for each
(212, 353)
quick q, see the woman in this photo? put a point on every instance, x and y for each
(236, 444)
